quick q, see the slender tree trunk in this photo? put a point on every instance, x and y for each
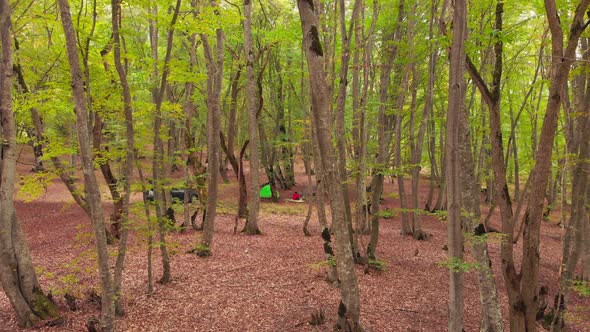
(383, 129)
(398, 160)
(456, 104)
(158, 162)
(130, 155)
(427, 110)
(349, 309)
(17, 274)
(573, 240)
(254, 201)
(562, 59)
(238, 169)
(90, 181)
(150, 232)
(340, 115)
(214, 84)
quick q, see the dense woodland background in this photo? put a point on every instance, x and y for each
(405, 123)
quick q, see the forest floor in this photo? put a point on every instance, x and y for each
(272, 282)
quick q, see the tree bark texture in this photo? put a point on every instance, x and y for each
(90, 181)
(384, 130)
(17, 275)
(130, 153)
(349, 309)
(214, 84)
(254, 199)
(562, 59)
(456, 104)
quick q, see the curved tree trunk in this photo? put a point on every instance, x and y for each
(123, 229)
(90, 181)
(562, 58)
(349, 309)
(17, 275)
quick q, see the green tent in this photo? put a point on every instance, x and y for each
(266, 192)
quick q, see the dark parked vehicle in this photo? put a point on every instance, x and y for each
(176, 193)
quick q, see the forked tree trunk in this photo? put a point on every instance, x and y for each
(562, 59)
(90, 181)
(130, 156)
(237, 166)
(319, 192)
(349, 309)
(17, 273)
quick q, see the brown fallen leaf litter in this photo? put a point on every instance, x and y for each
(272, 282)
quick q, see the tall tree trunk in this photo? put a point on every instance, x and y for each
(427, 110)
(254, 201)
(90, 181)
(456, 104)
(398, 160)
(383, 128)
(340, 115)
(158, 162)
(562, 59)
(17, 273)
(573, 240)
(349, 309)
(214, 83)
(130, 154)
(363, 46)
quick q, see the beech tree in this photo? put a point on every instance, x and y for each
(254, 197)
(453, 179)
(214, 59)
(17, 273)
(562, 56)
(349, 309)
(90, 183)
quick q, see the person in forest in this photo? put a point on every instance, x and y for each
(296, 197)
